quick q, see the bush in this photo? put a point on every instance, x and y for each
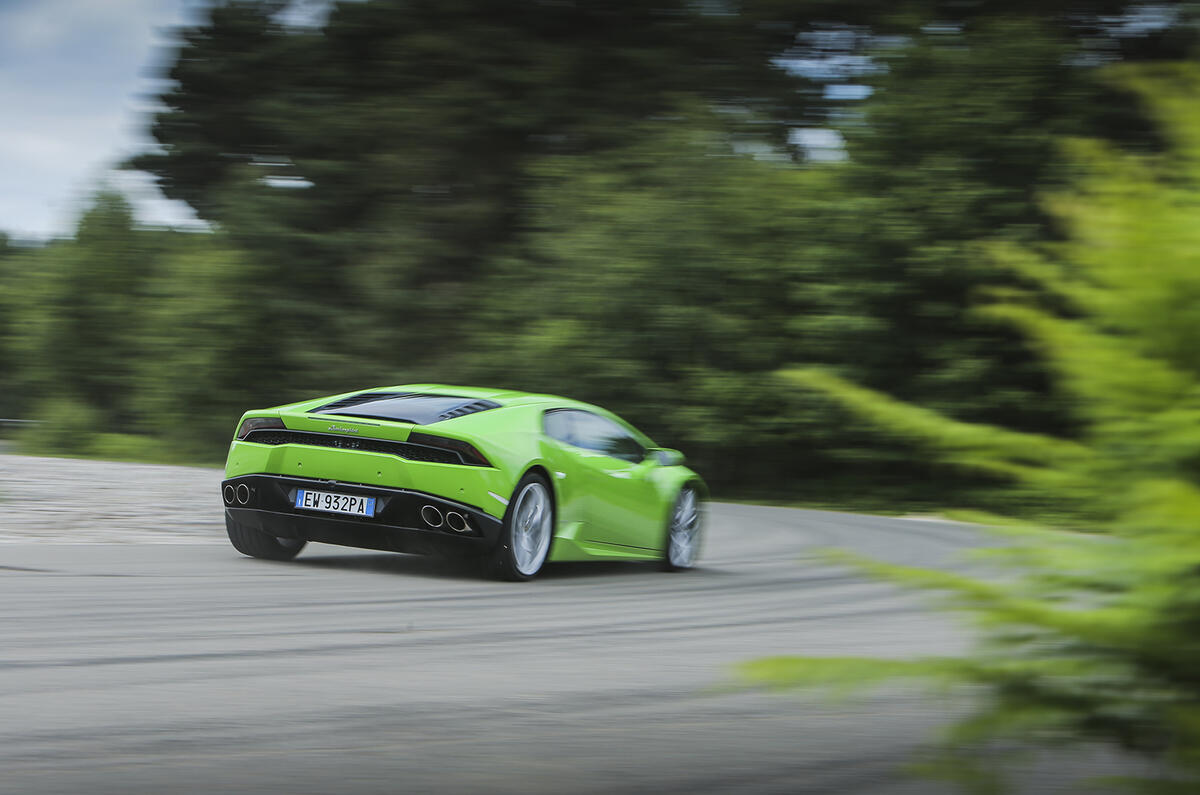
(64, 426)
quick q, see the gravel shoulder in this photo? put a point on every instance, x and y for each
(73, 501)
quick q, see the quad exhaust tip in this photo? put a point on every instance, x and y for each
(457, 522)
(431, 516)
(229, 495)
(243, 493)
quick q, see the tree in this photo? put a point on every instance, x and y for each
(957, 141)
(672, 277)
(204, 347)
(1096, 639)
(10, 403)
(79, 321)
(374, 166)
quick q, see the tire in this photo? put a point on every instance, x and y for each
(527, 533)
(258, 544)
(684, 525)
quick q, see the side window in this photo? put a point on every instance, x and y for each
(593, 432)
(558, 425)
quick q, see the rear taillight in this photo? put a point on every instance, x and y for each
(258, 424)
(465, 450)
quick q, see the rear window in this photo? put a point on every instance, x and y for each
(419, 409)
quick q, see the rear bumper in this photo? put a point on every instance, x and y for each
(269, 505)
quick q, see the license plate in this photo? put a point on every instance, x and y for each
(335, 503)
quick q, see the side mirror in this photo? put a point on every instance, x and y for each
(667, 457)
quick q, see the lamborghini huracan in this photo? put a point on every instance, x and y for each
(512, 478)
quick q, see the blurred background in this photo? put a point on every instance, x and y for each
(653, 206)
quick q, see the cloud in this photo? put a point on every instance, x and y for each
(72, 74)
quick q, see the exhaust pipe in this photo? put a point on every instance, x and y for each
(243, 493)
(228, 492)
(457, 522)
(431, 516)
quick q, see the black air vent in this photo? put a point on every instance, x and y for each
(359, 399)
(417, 408)
(412, 452)
(468, 408)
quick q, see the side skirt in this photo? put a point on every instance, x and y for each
(568, 546)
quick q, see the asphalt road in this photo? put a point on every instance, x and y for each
(186, 668)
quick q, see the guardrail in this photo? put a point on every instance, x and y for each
(19, 422)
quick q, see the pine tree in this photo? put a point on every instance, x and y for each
(1097, 639)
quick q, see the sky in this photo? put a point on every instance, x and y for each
(75, 76)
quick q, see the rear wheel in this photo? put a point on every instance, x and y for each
(525, 538)
(683, 531)
(257, 544)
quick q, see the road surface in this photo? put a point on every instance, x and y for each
(187, 668)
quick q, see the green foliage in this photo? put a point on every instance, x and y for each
(1096, 637)
(840, 675)
(592, 198)
(671, 272)
(953, 146)
(67, 428)
(377, 167)
(205, 348)
(9, 373)
(77, 312)
(134, 447)
(124, 334)
(72, 428)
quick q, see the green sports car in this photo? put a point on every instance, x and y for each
(513, 478)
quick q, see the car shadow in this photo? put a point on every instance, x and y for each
(403, 564)
(598, 568)
(398, 563)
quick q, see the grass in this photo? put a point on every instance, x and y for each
(814, 505)
(129, 448)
